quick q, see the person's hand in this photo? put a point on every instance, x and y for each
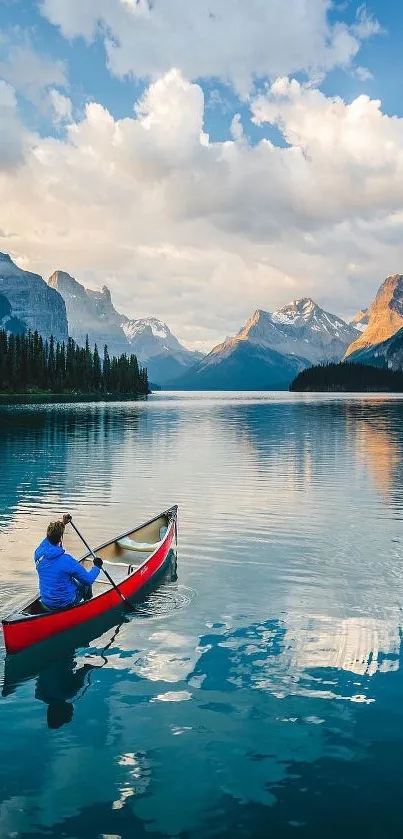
(66, 519)
(98, 562)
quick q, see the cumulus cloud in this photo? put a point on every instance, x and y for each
(233, 40)
(28, 72)
(200, 233)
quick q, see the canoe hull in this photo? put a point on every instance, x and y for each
(27, 631)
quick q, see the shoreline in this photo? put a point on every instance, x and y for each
(54, 398)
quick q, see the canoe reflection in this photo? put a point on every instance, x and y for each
(61, 681)
(53, 663)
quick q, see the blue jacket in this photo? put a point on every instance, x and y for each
(59, 573)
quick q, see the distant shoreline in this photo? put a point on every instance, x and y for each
(347, 377)
(54, 398)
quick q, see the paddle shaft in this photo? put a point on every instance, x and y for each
(108, 576)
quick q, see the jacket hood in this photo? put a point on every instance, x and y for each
(48, 551)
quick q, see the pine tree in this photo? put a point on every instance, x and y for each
(27, 362)
(96, 370)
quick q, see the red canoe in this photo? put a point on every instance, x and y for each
(150, 543)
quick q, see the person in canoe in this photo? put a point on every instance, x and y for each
(63, 581)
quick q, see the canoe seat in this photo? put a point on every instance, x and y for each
(145, 547)
(130, 545)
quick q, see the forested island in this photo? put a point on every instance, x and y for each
(28, 364)
(349, 378)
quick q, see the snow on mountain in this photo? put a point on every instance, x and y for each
(158, 349)
(301, 328)
(272, 348)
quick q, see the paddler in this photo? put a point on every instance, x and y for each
(63, 581)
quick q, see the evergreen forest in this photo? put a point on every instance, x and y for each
(28, 364)
(348, 377)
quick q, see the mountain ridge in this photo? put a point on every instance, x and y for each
(294, 337)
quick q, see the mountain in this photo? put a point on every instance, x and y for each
(385, 317)
(32, 302)
(157, 348)
(387, 354)
(7, 321)
(91, 313)
(272, 348)
(360, 320)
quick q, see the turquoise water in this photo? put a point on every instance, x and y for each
(258, 690)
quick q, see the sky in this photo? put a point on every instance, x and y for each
(204, 158)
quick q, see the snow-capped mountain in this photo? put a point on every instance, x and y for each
(272, 348)
(300, 328)
(158, 349)
(385, 317)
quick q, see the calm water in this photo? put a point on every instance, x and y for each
(259, 693)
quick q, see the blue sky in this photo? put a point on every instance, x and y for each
(200, 218)
(89, 78)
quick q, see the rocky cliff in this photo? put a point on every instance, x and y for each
(32, 302)
(385, 316)
(7, 320)
(91, 313)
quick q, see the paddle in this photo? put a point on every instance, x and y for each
(108, 576)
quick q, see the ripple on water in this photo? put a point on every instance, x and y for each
(164, 602)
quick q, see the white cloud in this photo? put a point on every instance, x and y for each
(366, 24)
(62, 106)
(233, 40)
(201, 233)
(11, 132)
(363, 74)
(30, 73)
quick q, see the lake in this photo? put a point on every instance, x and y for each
(258, 691)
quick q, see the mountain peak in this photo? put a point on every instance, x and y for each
(5, 257)
(63, 281)
(151, 327)
(301, 309)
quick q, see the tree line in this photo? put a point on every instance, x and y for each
(28, 362)
(349, 377)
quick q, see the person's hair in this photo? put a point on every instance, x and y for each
(55, 532)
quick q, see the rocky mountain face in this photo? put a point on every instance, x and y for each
(157, 348)
(385, 317)
(7, 320)
(272, 348)
(360, 320)
(33, 303)
(91, 313)
(388, 354)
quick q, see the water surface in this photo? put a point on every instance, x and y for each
(258, 690)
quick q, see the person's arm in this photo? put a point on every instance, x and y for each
(79, 572)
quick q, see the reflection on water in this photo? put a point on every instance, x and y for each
(258, 689)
